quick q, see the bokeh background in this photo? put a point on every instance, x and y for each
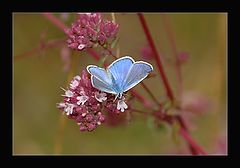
(39, 127)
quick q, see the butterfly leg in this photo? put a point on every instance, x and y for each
(120, 95)
(116, 97)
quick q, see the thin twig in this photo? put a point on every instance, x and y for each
(150, 93)
(49, 44)
(118, 47)
(113, 17)
(59, 136)
(177, 65)
(61, 125)
(156, 56)
(94, 54)
(110, 52)
(193, 144)
(55, 21)
(195, 149)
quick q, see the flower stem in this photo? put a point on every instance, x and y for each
(142, 99)
(156, 56)
(49, 44)
(150, 93)
(59, 136)
(118, 47)
(55, 21)
(113, 17)
(194, 147)
(166, 24)
(93, 53)
(110, 52)
(61, 125)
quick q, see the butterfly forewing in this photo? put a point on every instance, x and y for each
(119, 70)
(137, 73)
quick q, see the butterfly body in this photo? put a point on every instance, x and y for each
(122, 75)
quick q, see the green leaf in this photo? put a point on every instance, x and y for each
(115, 42)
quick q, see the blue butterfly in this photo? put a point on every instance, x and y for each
(122, 75)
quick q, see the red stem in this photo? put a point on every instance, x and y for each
(150, 93)
(49, 44)
(156, 55)
(193, 146)
(167, 27)
(142, 99)
(55, 21)
(195, 149)
(94, 54)
(166, 24)
(191, 142)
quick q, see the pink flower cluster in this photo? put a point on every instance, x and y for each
(90, 29)
(85, 104)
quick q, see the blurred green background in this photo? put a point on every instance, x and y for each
(37, 123)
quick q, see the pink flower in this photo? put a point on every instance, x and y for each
(109, 29)
(90, 29)
(146, 52)
(86, 105)
(101, 97)
(183, 57)
(121, 105)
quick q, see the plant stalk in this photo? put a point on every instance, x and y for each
(156, 56)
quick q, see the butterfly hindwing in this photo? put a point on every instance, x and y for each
(101, 79)
(100, 73)
(101, 85)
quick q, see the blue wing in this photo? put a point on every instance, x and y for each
(119, 70)
(136, 74)
(101, 85)
(101, 79)
(100, 74)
